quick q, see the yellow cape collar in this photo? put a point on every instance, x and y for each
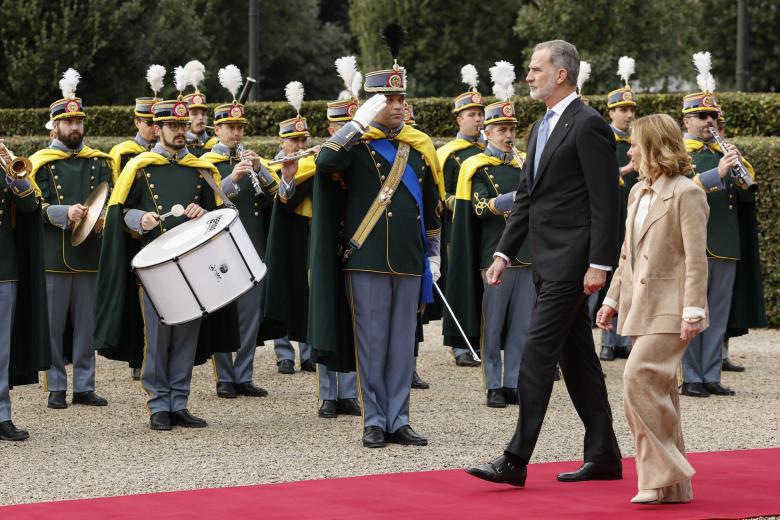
(470, 167)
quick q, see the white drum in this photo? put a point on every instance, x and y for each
(198, 266)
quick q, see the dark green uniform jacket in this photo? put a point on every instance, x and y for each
(21, 240)
(150, 183)
(732, 234)
(476, 229)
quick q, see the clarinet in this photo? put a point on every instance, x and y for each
(253, 176)
(739, 172)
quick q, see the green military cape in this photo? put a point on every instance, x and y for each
(119, 327)
(464, 283)
(30, 338)
(747, 299)
(287, 258)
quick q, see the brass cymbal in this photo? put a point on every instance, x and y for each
(94, 203)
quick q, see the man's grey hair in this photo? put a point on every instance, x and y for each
(563, 55)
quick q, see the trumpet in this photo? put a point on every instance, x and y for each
(16, 167)
(739, 172)
(295, 156)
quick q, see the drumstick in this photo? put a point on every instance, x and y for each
(177, 210)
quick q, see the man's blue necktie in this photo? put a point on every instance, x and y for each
(541, 139)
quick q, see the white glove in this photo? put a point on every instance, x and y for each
(435, 263)
(368, 110)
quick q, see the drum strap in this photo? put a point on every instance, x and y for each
(382, 199)
(216, 187)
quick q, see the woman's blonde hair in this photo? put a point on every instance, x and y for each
(660, 141)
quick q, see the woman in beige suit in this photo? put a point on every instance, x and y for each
(659, 292)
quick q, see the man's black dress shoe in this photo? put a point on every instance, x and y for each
(465, 360)
(226, 390)
(250, 389)
(328, 409)
(9, 432)
(374, 437)
(308, 366)
(418, 383)
(160, 421)
(89, 399)
(500, 471)
(135, 373)
(348, 407)
(622, 352)
(694, 390)
(185, 419)
(511, 395)
(496, 398)
(607, 353)
(286, 366)
(57, 400)
(593, 471)
(718, 389)
(406, 437)
(730, 366)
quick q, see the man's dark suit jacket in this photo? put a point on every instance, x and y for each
(569, 205)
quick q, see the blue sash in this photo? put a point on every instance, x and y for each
(409, 179)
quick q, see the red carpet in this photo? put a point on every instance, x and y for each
(730, 484)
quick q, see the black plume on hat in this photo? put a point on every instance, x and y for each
(393, 35)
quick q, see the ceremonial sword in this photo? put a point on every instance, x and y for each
(446, 304)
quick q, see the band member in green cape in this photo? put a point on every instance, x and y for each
(25, 346)
(293, 138)
(252, 187)
(65, 174)
(621, 109)
(199, 141)
(735, 296)
(390, 249)
(149, 186)
(499, 315)
(469, 110)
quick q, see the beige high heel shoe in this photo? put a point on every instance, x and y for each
(647, 496)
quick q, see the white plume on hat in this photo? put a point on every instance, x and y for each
(155, 75)
(583, 76)
(502, 74)
(703, 63)
(180, 78)
(346, 66)
(357, 83)
(293, 91)
(69, 82)
(626, 68)
(469, 75)
(195, 71)
(230, 78)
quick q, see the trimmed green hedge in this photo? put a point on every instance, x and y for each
(748, 115)
(763, 153)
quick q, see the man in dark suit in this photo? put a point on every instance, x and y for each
(568, 207)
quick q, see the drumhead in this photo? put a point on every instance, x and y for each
(184, 237)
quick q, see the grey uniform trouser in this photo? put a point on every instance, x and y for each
(285, 350)
(7, 307)
(506, 314)
(239, 370)
(384, 310)
(75, 294)
(169, 354)
(704, 357)
(336, 385)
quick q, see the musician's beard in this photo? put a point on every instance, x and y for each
(72, 140)
(177, 144)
